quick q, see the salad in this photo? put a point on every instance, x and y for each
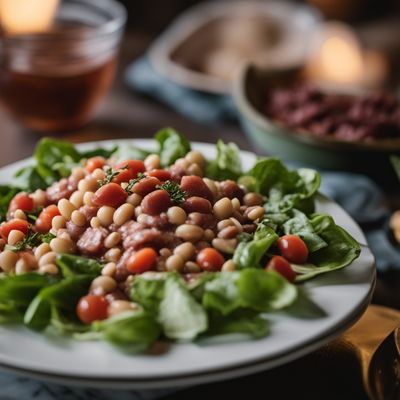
(132, 246)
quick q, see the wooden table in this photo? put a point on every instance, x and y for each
(124, 114)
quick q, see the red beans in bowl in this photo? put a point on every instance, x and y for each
(156, 202)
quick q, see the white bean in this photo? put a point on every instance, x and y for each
(8, 259)
(103, 285)
(185, 250)
(50, 269)
(190, 233)
(105, 215)
(58, 222)
(19, 214)
(76, 199)
(87, 198)
(176, 215)
(123, 213)
(78, 218)
(14, 237)
(112, 240)
(113, 255)
(119, 306)
(66, 208)
(223, 208)
(152, 161)
(174, 263)
(21, 267)
(109, 269)
(48, 258)
(62, 245)
(41, 250)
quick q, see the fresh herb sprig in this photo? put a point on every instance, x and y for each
(31, 239)
(133, 182)
(176, 193)
(110, 175)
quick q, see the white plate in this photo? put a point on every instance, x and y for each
(343, 294)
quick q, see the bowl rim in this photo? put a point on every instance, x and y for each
(190, 21)
(249, 111)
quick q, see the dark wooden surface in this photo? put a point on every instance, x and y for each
(124, 114)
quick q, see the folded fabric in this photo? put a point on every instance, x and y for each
(199, 106)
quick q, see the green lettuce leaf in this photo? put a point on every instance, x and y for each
(63, 296)
(172, 146)
(341, 250)
(7, 192)
(180, 315)
(250, 251)
(243, 321)
(71, 265)
(253, 289)
(300, 225)
(227, 163)
(285, 189)
(130, 152)
(130, 331)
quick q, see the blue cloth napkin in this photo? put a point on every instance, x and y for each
(199, 106)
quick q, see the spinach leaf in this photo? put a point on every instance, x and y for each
(63, 296)
(29, 179)
(148, 292)
(341, 250)
(130, 331)
(250, 251)
(130, 152)
(243, 321)
(300, 225)
(17, 292)
(227, 163)
(251, 288)
(180, 315)
(6, 194)
(172, 146)
(285, 189)
(99, 152)
(71, 265)
(395, 160)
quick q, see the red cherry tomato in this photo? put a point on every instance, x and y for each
(161, 174)
(128, 170)
(13, 224)
(111, 195)
(43, 223)
(293, 249)
(142, 261)
(94, 163)
(282, 266)
(210, 259)
(21, 201)
(92, 308)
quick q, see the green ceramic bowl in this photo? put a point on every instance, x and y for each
(274, 138)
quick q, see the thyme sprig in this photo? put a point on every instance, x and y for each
(133, 182)
(176, 193)
(31, 240)
(110, 175)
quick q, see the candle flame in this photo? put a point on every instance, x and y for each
(341, 61)
(27, 16)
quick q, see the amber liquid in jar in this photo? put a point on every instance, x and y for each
(55, 86)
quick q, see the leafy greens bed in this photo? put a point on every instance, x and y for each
(169, 304)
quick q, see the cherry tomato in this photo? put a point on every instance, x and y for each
(21, 201)
(17, 224)
(94, 163)
(293, 249)
(210, 259)
(282, 266)
(128, 170)
(43, 223)
(161, 174)
(111, 195)
(142, 261)
(92, 308)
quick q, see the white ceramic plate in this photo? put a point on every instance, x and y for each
(343, 294)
